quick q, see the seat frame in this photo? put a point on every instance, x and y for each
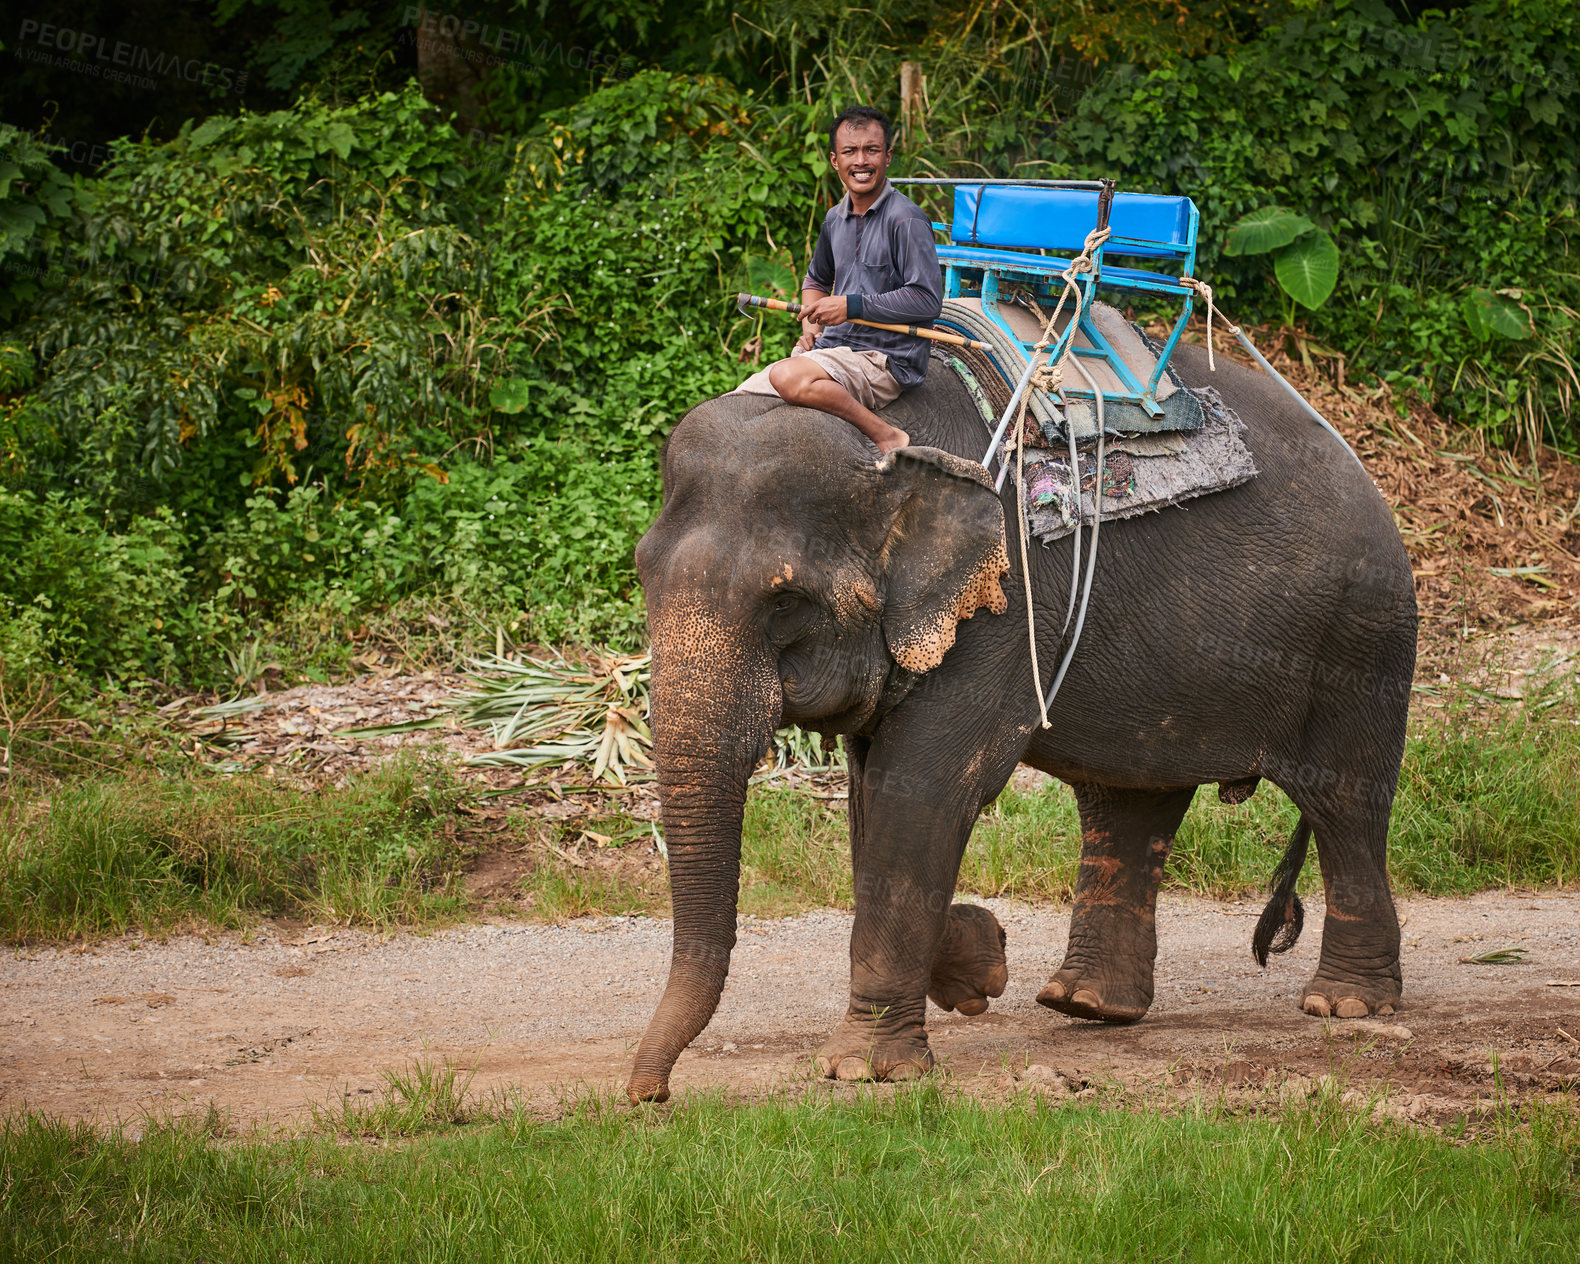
(978, 270)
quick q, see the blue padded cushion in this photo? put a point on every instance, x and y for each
(976, 257)
(1060, 219)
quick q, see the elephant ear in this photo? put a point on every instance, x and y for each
(944, 555)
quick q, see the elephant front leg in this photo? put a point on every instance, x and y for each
(899, 922)
(908, 833)
(970, 966)
(1126, 838)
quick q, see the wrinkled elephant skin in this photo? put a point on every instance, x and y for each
(1267, 632)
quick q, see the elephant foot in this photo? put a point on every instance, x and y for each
(856, 1052)
(1106, 1002)
(1334, 998)
(969, 966)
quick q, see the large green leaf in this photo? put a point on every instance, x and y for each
(1487, 314)
(1308, 268)
(511, 396)
(341, 138)
(1264, 229)
(209, 131)
(771, 275)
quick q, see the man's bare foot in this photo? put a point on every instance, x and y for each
(893, 441)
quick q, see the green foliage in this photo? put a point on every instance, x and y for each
(111, 602)
(266, 344)
(1501, 315)
(249, 279)
(1431, 151)
(102, 857)
(307, 37)
(1305, 259)
(35, 196)
(1263, 230)
(1308, 268)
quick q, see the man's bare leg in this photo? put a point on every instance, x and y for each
(801, 381)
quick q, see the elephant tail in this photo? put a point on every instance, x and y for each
(1279, 926)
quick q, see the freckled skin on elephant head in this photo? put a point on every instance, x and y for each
(1264, 632)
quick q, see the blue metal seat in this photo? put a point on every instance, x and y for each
(1003, 229)
(1043, 266)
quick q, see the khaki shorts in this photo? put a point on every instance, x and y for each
(865, 374)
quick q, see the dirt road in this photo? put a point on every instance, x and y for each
(293, 1019)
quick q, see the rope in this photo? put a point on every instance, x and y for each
(1097, 520)
(1049, 378)
(1025, 566)
(1205, 290)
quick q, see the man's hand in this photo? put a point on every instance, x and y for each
(811, 331)
(828, 310)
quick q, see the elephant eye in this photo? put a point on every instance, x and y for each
(788, 615)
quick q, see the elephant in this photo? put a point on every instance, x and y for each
(1266, 631)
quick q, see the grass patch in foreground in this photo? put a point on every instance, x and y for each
(915, 1174)
(108, 855)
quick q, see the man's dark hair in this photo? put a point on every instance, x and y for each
(859, 115)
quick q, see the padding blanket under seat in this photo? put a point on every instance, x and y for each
(1144, 470)
(1140, 475)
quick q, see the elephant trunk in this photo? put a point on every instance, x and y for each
(714, 711)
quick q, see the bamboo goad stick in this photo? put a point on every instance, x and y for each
(746, 301)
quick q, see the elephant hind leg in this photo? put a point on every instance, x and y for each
(1358, 972)
(969, 966)
(1126, 838)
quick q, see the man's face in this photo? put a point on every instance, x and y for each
(860, 157)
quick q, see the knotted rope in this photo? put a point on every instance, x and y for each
(1049, 378)
(1205, 291)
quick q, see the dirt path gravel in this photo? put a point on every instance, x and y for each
(294, 1019)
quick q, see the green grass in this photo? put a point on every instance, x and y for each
(108, 855)
(1486, 800)
(921, 1173)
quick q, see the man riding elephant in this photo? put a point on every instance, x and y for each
(875, 260)
(1265, 632)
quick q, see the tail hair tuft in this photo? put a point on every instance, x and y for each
(1280, 924)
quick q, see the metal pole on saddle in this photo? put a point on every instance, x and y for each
(745, 302)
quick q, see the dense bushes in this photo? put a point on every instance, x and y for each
(1440, 154)
(329, 358)
(310, 360)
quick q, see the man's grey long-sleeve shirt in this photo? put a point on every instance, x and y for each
(885, 264)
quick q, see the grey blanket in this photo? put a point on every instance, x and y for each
(1141, 474)
(1149, 464)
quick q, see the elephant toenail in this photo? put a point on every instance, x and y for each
(1054, 991)
(905, 1071)
(853, 1068)
(1317, 1005)
(976, 1005)
(1385, 1009)
(1351, 1007)
(1087, 997)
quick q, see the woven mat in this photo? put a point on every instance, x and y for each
(1141, 474)
(1144, 470)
